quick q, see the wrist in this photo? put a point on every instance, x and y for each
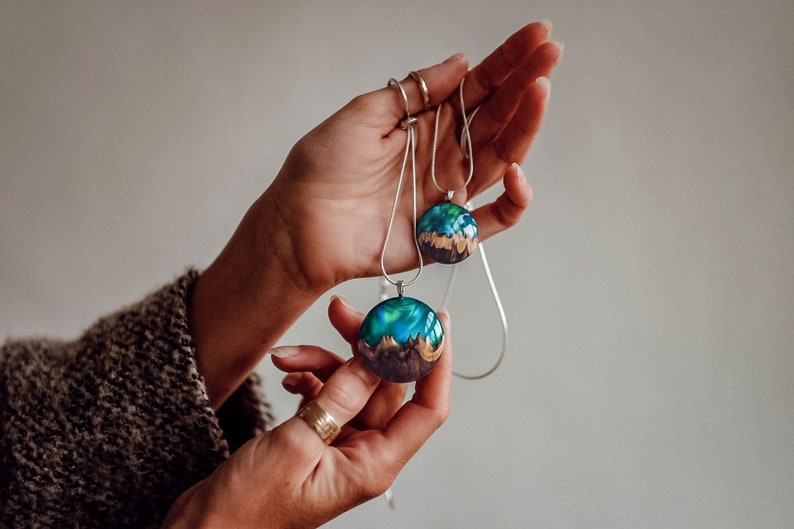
(186, 513)
(242, 304)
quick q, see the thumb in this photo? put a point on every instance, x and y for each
(348, 390)
(342, 396)
(508, 208)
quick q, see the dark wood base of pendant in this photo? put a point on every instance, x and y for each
(397, 362)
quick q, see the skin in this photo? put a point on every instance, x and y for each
(320, 223)
(288, 478)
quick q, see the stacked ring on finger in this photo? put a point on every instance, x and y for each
(420, 81)
(322, 422)
(409, 120)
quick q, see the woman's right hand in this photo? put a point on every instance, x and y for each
(288, 477)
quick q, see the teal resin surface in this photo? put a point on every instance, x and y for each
(401, 339)
(447, 233)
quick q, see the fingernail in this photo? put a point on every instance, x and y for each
(520, 171)
(346, 303)
(560, 44)
(285, 351)
(443, 315)
(545, 82)
(546, 22)
(290, 381)
(455, 57)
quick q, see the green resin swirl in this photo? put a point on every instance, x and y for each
(401, 339)
(447, 233)
(402, 318)
(447, 219)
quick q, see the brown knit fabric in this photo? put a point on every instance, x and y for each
(107, 430)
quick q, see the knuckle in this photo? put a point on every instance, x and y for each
(502, 151)
(343, 398)
(375, 484)
(376, 489)
(290, 436)
(362, 104)
(501, 216)
(440, 415)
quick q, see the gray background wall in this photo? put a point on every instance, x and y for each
(650, 378)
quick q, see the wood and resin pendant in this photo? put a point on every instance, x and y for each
(447, 233)
(401, 339)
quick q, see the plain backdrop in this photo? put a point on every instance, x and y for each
(649, 381)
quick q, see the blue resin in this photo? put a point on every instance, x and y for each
(447, 219)
(401, 339)
(447, 233)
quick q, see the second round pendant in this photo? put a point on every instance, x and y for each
(401, 339)
(447, 233)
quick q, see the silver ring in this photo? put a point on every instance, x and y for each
(322, 422)
(422, 88)
(395, 82)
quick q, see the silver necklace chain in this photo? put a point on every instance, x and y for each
(465, 144)
(406, 124)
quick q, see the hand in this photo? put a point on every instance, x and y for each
(288, 477)
(335, 191)
(324, 218)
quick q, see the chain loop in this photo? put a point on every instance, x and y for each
(406, 124)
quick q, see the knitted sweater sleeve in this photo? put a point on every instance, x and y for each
(107, 430)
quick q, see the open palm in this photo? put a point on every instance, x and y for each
(324, 218)
(336, 188)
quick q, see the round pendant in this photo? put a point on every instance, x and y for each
(401, 339)
(447, 233)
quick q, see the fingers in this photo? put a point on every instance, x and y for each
(347, 391)
(306, 385)
(342, 389)
(500, 109)
(441, 79)
(389, 396)
(416, 421)
(515, 139)
(499, 65)
(309, 367)
(506, 210)
(510, 90)
(306, 358)
(322, 363)
(342, 396)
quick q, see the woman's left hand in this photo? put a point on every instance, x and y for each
(324, 218)
(333, 195)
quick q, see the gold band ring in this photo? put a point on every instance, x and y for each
(321, 421)
(420, 81)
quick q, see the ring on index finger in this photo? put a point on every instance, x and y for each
(397, 84)
(420, 81)
(322, 422)
(409, 120)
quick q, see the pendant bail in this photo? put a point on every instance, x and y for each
(450, 194)
(408, 122)
(400, 285)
